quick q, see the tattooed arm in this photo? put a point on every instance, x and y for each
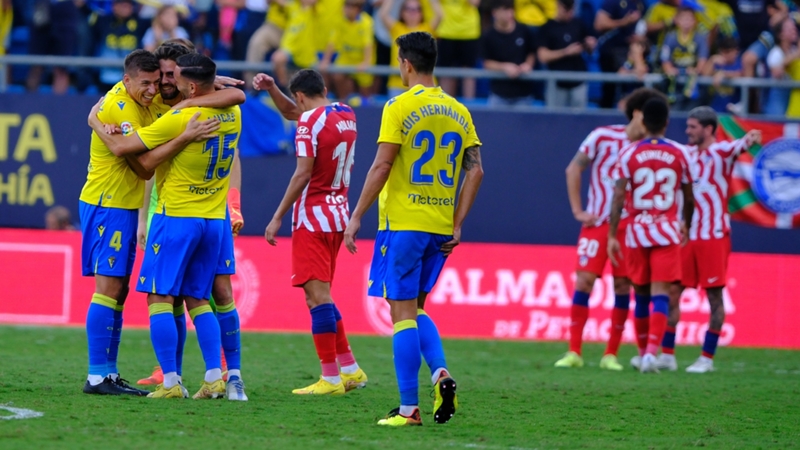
(473, 168)
(617, 202)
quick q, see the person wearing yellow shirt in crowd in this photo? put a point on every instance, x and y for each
(535, 13)
(791, 64)
(6, 18)
(268, 36)
(412, 19)
(298, 45)
(713, 17)
(351, 44)
(458, 35)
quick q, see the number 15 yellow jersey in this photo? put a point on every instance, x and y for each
(433, 130)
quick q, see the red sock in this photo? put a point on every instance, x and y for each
(618, 318)
(343, 352)
(658, 324)
(642, 326)
(579, 314)
(326, 350)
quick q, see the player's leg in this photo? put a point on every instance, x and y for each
(666, 360)
(717, 318)
(179, 315)
(619, 315)
(230, 335)
(713, 276)
(638, 267)
(665, 270)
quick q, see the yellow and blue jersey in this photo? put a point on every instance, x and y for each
(196, 182)
(433, 130)
(110, 182)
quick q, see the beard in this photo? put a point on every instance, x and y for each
(169, 95)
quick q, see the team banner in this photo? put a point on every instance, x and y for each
(504, 291)
(765, 189)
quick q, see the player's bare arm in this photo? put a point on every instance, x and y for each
(617, 202)
(141, 231)
(222, 98)
(376, 179)
(234, 196)
(287, 107)
(688, 211)
(195, 131)
(578, 164)
(299, 181)
(473, 177)
(221, 83)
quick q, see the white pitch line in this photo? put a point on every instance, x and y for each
(20, 413)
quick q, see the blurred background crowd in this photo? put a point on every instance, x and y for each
(681, 39)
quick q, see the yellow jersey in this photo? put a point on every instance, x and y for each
(399, 29)
(350, 39)
(328, 14)
(110, 182)
(460, 21)
(535, 13)
(793, 111)
(159, 109)
(196, 183)
(6, 19)
(433, 131)
(299, 37)
(277, 15)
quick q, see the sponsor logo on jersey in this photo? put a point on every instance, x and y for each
(156, 248)
(121, 105)
(142, 280)
(776, 176)
(101, 229)
(111, 261)
(302, 130)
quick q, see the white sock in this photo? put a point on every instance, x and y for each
(406, 410)
(234, 373)
(436, 374)
(113, 376)
(94, 380)
(351, 369)
(171, 379)
(333, 380)
(213, 375)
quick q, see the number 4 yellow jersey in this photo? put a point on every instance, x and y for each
(196, 183)
(433, 130)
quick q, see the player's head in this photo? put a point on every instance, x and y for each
(655, 116)
(195, 74)
(701, 125)
(141, 76)
(417, 54)
(167, 55)
(634, 103)
(307, 88)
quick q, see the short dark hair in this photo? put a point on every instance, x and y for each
(635, 100)
(419, 48)
(140, 60)
(198, 68)
(502, 4)
(656, 115)
(171, 51)
(728, 43)
(307, 81)
(685, 8)
(706, 116)
(567, 4)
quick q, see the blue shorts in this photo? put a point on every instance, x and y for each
(227, 261)
(405, 263)
(181, 256)
(108, 247)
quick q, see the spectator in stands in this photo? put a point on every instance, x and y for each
(53, 31)
(298, 45)
(411, 19)
(165, 26)
(684, 53)
(637, 63)
(535, 13)
(150, 8)
(116, 35)
(267, 37)
(616, 22)
(782, 55)
(791, 63)
(58, 218)
(716, 18)
(508, 47)
(458, 35)
(725, 65)
(6, 19)
(249, 19)
(660, 20)
(562, 42)
(754, 19)
(353, 44)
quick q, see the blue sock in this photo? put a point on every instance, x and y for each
(710, 343)
(228, 318)
(668, 343)
(99, 326)
(323, 319)
(164, 335)
(661, 304)
(208, 335)
(580, 298)
(116, 337)
(336, 314)
(642, 309)
(622, 301)
(430, 343)
(180, 323)
(407, 361)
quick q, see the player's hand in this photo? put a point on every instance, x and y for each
(350, 235)
(141, 235)
(449, 246)
(112, 129)
(237, 221)
(226, 82)
(272, 231)
(588, 220)
(201, 130)
(684, 234)
(263, 82)
(95, 109)
(614, 251)
(753, 137)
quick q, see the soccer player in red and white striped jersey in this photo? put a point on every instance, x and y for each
(599, 152)
(705, 257)
(325, 144)
(657, 171)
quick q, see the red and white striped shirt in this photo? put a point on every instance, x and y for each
(712, 169)
(656, 169)
(328, 134)
(602, 146)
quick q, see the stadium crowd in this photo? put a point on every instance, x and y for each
(681, 39)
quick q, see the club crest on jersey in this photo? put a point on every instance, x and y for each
(583, 260)
(127, 128)
(776, 176)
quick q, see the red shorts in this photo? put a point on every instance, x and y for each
(705, 263)
(314, 256)
(593, 250)
(648, 264)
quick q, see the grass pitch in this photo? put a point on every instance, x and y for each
(509, 393)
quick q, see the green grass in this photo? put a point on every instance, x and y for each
(510, 397)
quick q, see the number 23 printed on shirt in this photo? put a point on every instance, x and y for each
(216, 156)
(648, 178)
(426, 140)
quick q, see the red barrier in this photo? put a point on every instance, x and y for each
(485, 291)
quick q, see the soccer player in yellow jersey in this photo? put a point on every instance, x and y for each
(426, 139)
(353, 44)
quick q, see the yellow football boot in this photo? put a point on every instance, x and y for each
(395, 419)
(177, 391)
(211, 390)
(321, 387)
(356, 380)
(609, 362)
(571, 359)
(445, 400)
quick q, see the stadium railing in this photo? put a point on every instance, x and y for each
(550, 78)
